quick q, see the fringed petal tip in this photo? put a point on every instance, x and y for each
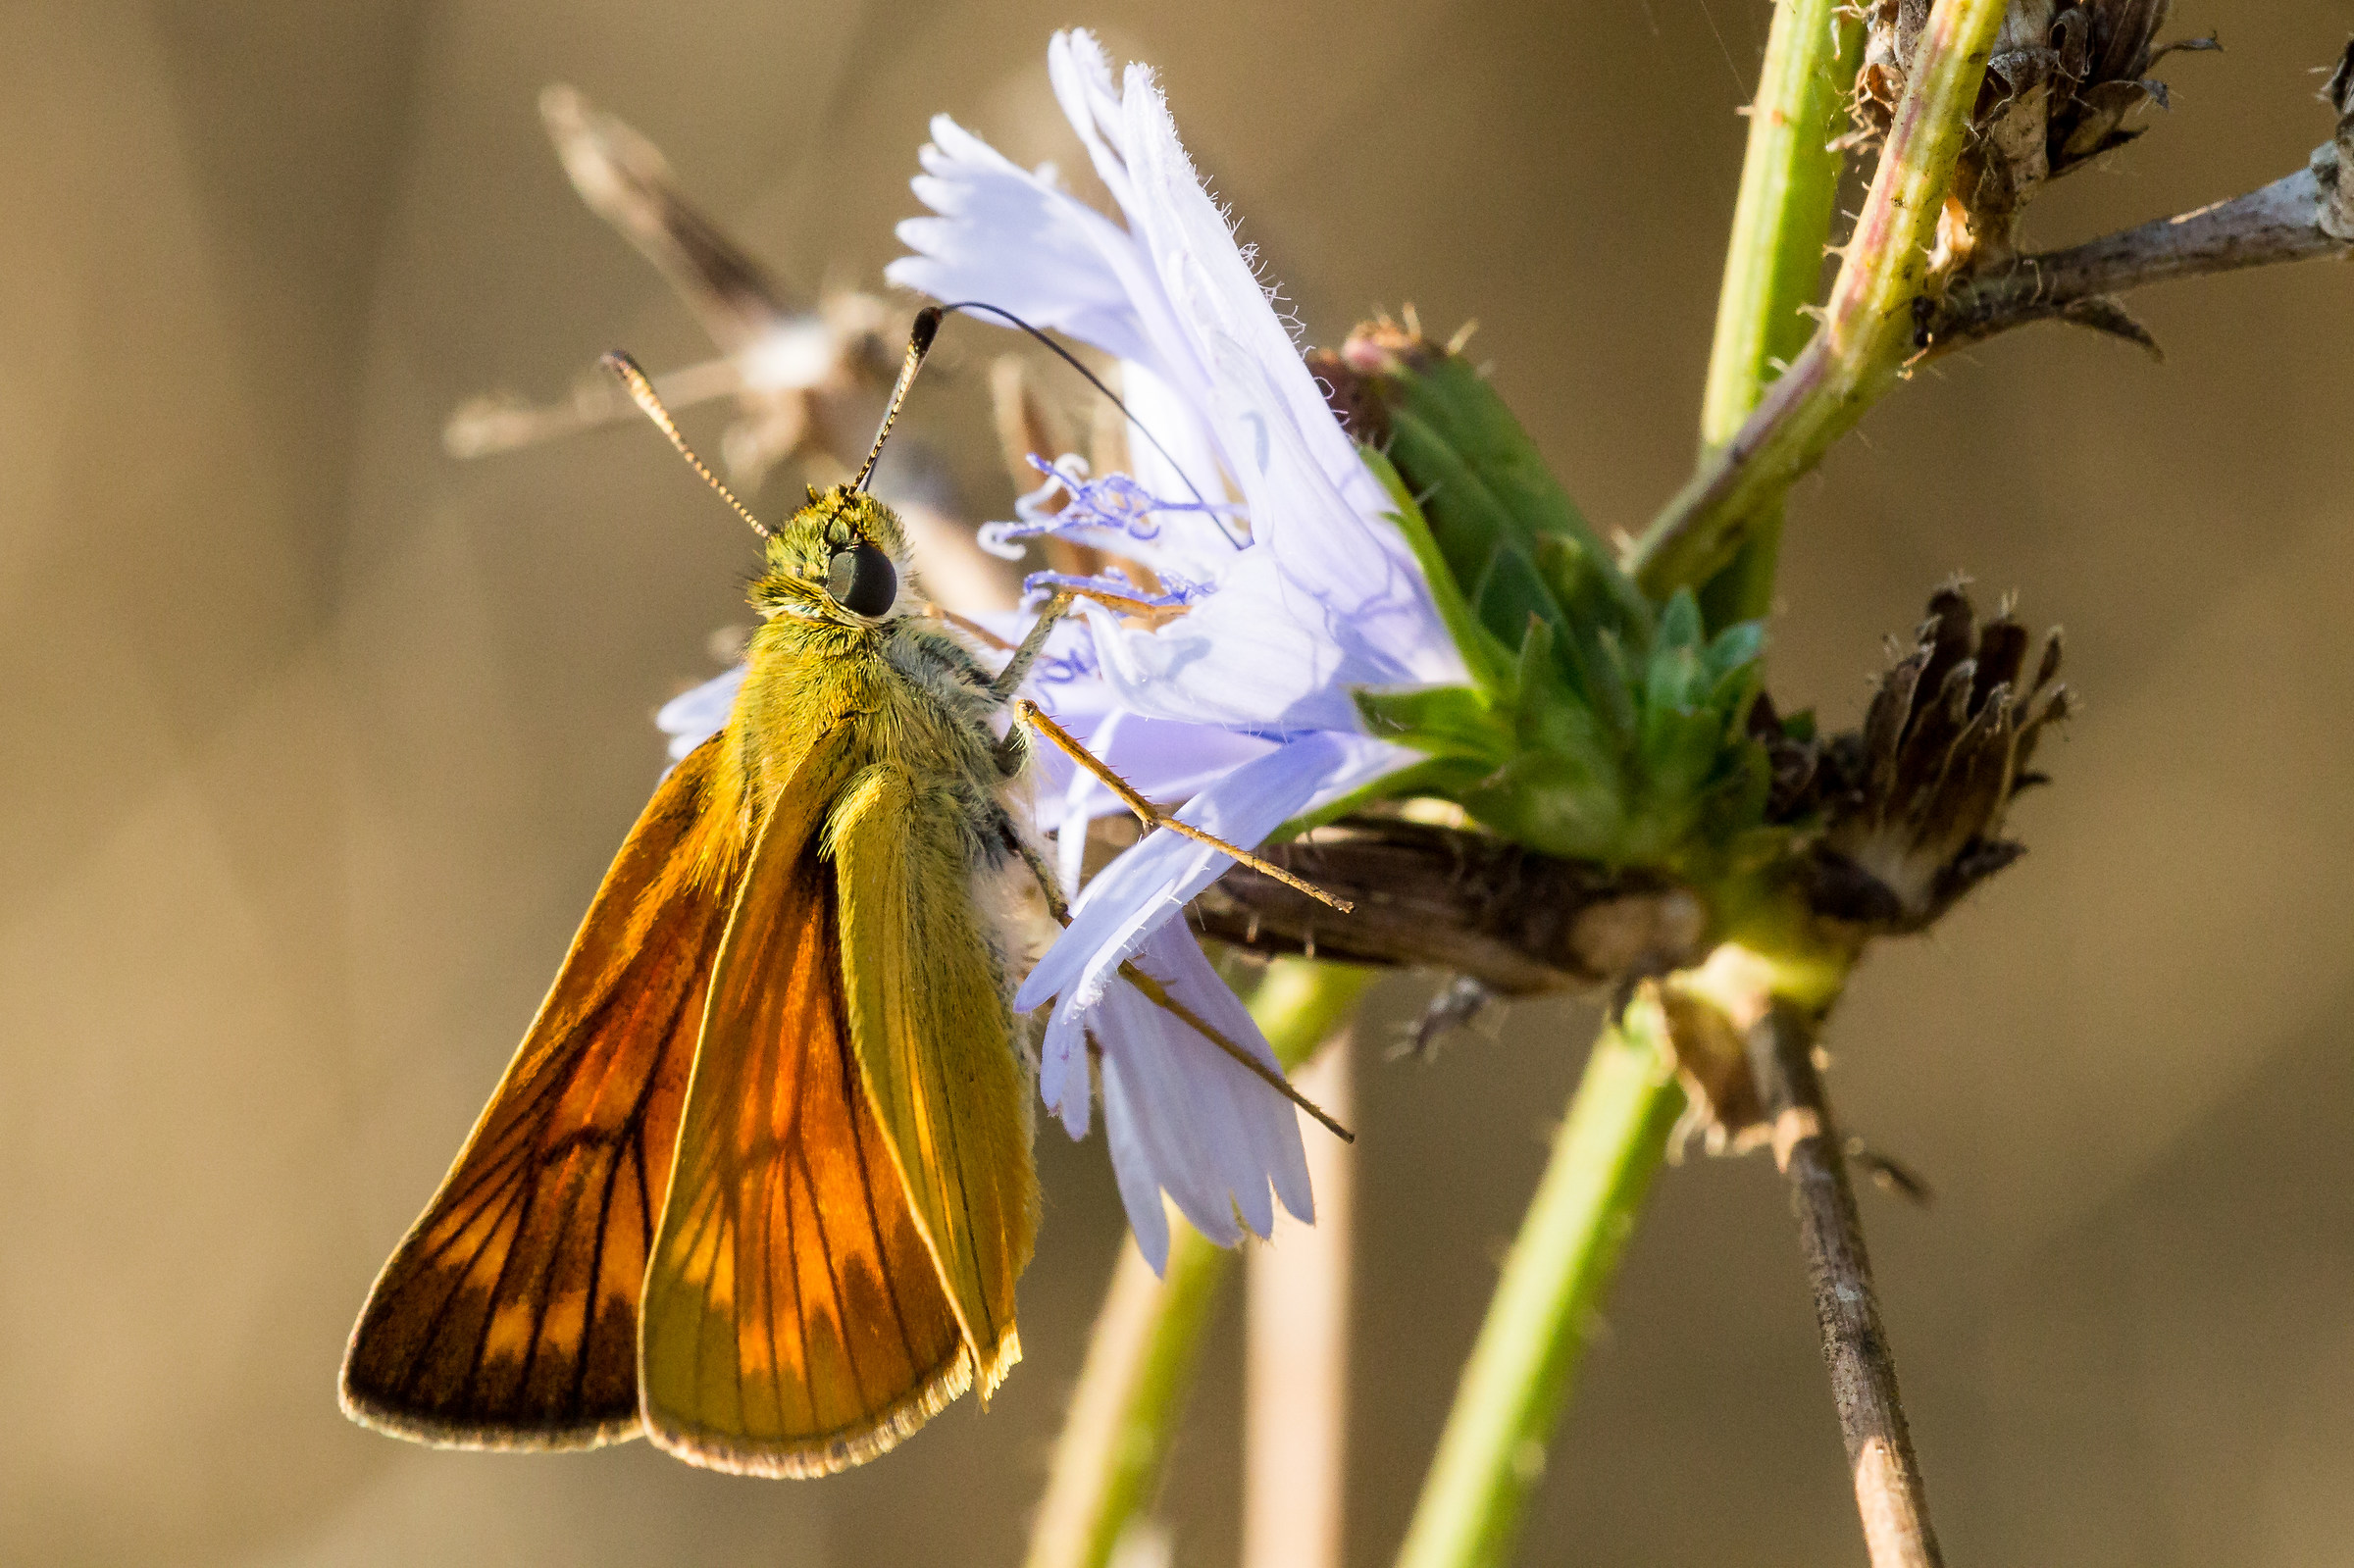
(1180, 1114)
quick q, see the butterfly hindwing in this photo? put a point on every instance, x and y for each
(793, 1320)
(509, 1316)
(934, 1039)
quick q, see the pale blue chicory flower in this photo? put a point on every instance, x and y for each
(1253, 509)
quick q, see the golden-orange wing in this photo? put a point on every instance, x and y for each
(794, 1323)
(509, 1316)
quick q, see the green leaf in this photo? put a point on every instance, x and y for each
(1734, 648)
(1679, 623)
(1587, 585)
(1678, 752)
(1614, 684)
(1511, 595)
(1549, 716)
(1672, 681)
(1551, 802)
(1601, 726)
(1487, 657)
(1441, 721)
(1481, 480)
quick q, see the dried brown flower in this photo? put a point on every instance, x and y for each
(1913, 804)
(2061, 86)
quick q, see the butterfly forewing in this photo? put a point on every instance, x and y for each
(509, 1316)
(793, 1320)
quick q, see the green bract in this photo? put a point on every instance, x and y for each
(1598, 726)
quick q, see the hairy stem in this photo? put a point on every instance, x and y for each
(1140, 1360)
(1869, 327)
(1773, 262)
(1855, 1345)
(1519, 1378)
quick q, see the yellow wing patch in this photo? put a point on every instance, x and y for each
(935, 1047)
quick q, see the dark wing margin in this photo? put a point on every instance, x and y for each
(509, 1316)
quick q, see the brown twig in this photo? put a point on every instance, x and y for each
(1442, 899)
(1855, 1345)
(2305, 214)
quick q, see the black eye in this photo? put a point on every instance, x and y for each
(862, 579)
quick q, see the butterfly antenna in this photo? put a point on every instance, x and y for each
(972, 306)
(920, 343)
(642, 390)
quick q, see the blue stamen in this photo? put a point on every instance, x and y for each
(1115, 504)
(1176, 592)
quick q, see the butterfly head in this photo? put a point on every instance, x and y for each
(841, 558)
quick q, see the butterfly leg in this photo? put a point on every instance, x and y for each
(1065, 600)
(1033, 716)
(1013, 752)
(1153, 992)
(1040, 872)
(1018, 668)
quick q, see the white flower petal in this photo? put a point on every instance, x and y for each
(1262, 654)
(1178, 459)
(1312, 595)
(1009, 237)
(694, 717)
(1082, 80)
(1063, 1081)
(1183, 1116)
(1139, 1188)
(1070, 848)
(1329, 595)
(1181, 1110)
(1175, 959)
(1151, 881)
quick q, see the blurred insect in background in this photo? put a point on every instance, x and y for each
(758, 1182)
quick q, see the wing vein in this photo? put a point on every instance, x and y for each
(498, 1288)
(596, 1278)
(507, 1204)
(874, 1225)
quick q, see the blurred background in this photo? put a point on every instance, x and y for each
(317, 741)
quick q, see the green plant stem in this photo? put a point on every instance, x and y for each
(1868, 327)
(1141, 1359)
(1773, 261)
(1789, 181)
(1519, 1378)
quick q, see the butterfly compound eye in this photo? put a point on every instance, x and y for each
(862, 579)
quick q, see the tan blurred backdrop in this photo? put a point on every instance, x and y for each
(316, 743)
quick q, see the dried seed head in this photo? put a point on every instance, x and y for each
(2061, 84)
(1913, 804)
